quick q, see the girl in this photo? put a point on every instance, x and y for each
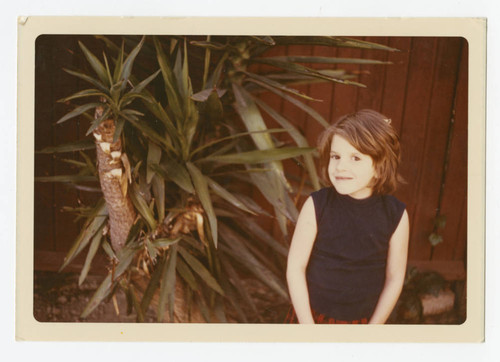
(347, 259)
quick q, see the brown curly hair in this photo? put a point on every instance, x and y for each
(371, 134)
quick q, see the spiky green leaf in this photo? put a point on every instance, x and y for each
(278, 85)
(208, 45)
(141, 206)
(88, 79)
(253, 228)
(172, 170)
(96, 64)
(297, 137)
(154, 156)
(300, 69)
(169, 81)
(139, 87)
(201, 187)
(201, 270)
(252, 157)
(82, 94)
(167, 286)
(234, 245)
(330, 41)
(96, 122)
(310, 111)
(226, 195)
(67, 178)
(95, 220)
(186, 274)
(129, 62)
(127, 255)
(324, 60)
(158, 185)
(77, 111)
(94, 246)
(80, 145)
(165, 242)
(153, 284)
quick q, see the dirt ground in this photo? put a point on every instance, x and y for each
(58, 298)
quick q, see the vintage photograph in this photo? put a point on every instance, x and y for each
(250, 179)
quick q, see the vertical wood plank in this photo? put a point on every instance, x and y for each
(413, 132)
(44, 192)
(460, 253)
(396, 80)
(433, 155)
(323, 91)
(373, 76)
(346, 96)
(455, 189)
(63, 85)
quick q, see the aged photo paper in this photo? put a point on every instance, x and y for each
(474, 33)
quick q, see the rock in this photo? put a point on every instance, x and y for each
(441, 303)
(62, 299)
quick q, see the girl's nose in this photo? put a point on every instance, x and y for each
(341, 165)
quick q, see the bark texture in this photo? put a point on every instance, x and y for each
(113, 179)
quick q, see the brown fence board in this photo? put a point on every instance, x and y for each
(44, 200)
(324, 91)
(433, 152)
(460, 252)
(454, 202)
(413, 132)
(373, 76)
(396, 81)
(63, 84)
(345, 95)
(290, 111)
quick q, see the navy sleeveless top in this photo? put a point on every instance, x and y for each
(346, 270)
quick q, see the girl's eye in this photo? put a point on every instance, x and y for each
(356, 158)
(335, 157)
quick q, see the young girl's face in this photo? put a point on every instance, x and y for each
(351, 172)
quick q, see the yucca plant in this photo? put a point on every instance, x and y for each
(175, 154)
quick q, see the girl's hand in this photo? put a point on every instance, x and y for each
(298, 258)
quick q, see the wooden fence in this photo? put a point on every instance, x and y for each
(423, 91)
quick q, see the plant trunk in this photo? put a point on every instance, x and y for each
(114, 181)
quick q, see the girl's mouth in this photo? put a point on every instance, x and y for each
(342, 178)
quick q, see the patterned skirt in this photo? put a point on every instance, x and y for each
(319, 318)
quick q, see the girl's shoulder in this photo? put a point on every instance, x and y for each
(394, 207)
(394, 202)
(321, 198)
(325, 191)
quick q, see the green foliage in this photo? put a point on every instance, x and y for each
(439, 223)
(195, 143)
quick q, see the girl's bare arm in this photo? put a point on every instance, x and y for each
(298, 258)
(395, 272)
